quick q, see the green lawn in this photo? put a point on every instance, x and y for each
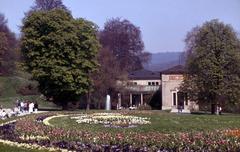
(162, 122)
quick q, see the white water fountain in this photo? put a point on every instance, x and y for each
(108, 102)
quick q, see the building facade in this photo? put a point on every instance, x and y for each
(143, 82)
(172, 98)
(140, 84)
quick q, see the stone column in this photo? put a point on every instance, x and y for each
(119, 100)
(177, 99)
(184, 101)
(130, 99)
(141, 99)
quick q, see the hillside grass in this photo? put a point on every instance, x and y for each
(8, 92)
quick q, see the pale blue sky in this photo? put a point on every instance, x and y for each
(164, 23)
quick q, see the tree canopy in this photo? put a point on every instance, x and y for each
(8, 44)
(213, 64)
(46, 5)
(60, 52)
(122, 51)
(124, 40)
(105, 78)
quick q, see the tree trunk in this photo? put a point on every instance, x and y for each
(88, 101)
(99, 105)
(77, 105)
(213, 109)
(64, 105)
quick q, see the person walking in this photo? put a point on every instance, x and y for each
(35, 107)
(30, 107)
(220, 110)
(22, 106)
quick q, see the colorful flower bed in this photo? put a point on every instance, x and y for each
(116, 120)
(32, 131)
(9, 136)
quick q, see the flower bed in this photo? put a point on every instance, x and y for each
(233, 132)
(32, 131)
(9, 136)
(116, 120)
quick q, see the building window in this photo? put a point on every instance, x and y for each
(153, 83)
(149, 83)
(174, 99)
(135, 83)
(157, 83)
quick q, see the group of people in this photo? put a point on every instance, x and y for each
(22, 107)
(27, 106)
(7, 113)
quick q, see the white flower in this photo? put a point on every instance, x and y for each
(112, 119)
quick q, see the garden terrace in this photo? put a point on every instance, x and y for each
(153, 131)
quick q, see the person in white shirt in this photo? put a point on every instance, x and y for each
(16, 110)
(1, 111)
(21, 106)
(3, 114)
(31, 106)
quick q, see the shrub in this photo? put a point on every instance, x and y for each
(28, 89)
(144, 107)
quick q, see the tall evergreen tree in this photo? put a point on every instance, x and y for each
(60, 52)
(213, 65)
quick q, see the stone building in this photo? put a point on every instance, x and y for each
(143, 82)
(172, 98)
(140, 84)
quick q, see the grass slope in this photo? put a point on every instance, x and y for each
(9, 95)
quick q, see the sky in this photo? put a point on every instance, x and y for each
(164, 23)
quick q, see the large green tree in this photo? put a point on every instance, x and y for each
(60, 53)
(213, 65)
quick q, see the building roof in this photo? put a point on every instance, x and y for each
(178, 69)
(144, 75)
(152, 75)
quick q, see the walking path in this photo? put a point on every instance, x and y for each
(8, 113)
